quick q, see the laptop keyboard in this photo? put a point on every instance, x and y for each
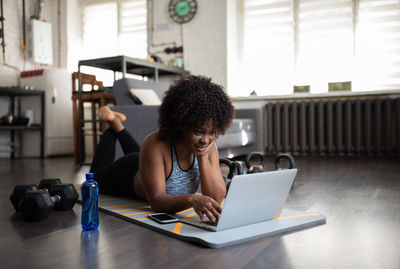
(211, 223)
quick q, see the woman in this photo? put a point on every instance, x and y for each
(174, 160)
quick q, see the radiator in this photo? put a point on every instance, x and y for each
(354, 126)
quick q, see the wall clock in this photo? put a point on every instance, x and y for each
(182, 11)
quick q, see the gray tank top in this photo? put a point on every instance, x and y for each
(181, 182)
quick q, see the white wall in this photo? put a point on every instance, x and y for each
(204, 38)
(74, 35)
(13, 29)
(12, 37)
(14, 61)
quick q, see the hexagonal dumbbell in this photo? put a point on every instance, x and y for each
(19, 190)
(68, 196)
(48, 183)
(36, 205)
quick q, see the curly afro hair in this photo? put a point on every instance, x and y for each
(193, 101)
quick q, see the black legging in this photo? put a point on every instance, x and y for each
(115, 177)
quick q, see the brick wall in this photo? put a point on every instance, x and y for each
(15, 62)
(14, 33)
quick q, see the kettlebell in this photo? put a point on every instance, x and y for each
(286, 157)
(235, 168)
(254, 168)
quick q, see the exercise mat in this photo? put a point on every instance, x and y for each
(137, 211)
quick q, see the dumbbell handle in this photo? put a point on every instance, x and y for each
(55, 198)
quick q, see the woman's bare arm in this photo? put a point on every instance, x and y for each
(212, 183)
(152, 170)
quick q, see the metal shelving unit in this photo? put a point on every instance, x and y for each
(15, 93)
(128, 65)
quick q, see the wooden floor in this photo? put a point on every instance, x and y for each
(359, 196)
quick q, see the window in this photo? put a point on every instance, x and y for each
(133, 28)
(116, 27)
(268, 46)
(100, 30)
(324, 43)
(378, 45)
(313, 42)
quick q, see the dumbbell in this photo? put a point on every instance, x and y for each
(36, 204)
(250, 159)
(48, 183)
(235, 168)
(284, 156)
(19, 190)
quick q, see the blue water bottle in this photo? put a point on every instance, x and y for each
(90, 213)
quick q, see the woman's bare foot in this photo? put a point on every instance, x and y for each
(106, 114)
(115, 119)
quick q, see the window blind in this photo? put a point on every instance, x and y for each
(113, 28)
(314, 42)
(378, 45)
(133, 28)
(100, 30)
(268, 46)
(325, 43)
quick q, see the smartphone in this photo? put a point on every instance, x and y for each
(163, 218)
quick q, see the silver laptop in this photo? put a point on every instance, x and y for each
(251, 198)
